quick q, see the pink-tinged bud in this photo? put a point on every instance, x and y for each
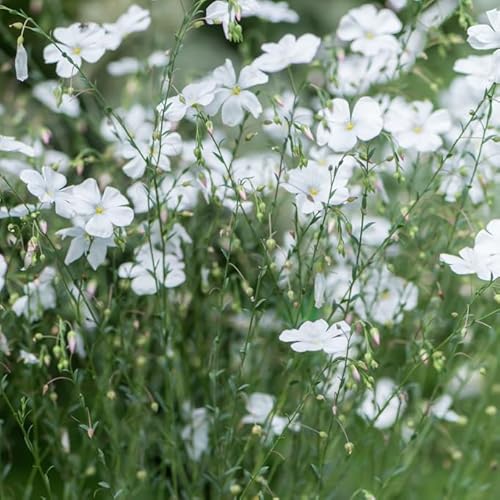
(334, 410)
(242, 194)
(375, 335)
(91, 288)
(43, 226)
(46, 136)
(238, 14)
(355, 374)
(307, 132)
(45, 389)
(278, 100)
(71, 341)
(90, 432)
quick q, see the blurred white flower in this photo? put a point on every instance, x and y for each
(341, 130)
(195, 432)
(135, 19)
(289, 50)
(484, 36)
(416, 126)
(11, 145)
(369, 30)
(319, 336)
(382, 405)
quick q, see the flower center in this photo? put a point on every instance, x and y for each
(349, 126)
(236, 90)
(313, 191)
(99, 210)
(369, 35)
(417, 130)
(77, 51)
(385, 294)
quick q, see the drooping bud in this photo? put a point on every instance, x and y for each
(21, 61)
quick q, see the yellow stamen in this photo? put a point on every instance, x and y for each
(99, 210)
(236, 90)
(77, 51)
(349, 126)
(417, 130)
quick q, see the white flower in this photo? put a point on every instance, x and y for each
(274, 12)
(318, 336)
(260, 407)
(124, 66)
(225, 13)
(232, 93)
(285, 110)
(385, 297)
(147, 271)
(369, 30)
(195, 433)
(80, 42)
(102, 212)
(94, 249)
(159, 151)
(21, 61)
(192, 95)
(134, 20)
(289, 50)
(3, 271)
(50, 94)
(482, 71)
(382, 406)
(416, 125)
(440, 408)
(341, 130)
(316, 187)
(48, 188)
(484, 37)
(28, 358)
(11, 145)
(39, 296)
(482, 260)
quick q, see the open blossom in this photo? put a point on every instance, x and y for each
(80, 42)
(102, 212)
(319, 336)
(48, 187)
(195, 432)
(440, 408)
(94, 249)
(482, 260)
(481, 71)
(369, 30)
(341, 130)
(230, 13)
(39, 295)
(50, 94)
(484, 36)
(316, 187)
(147, 272)
(226, 13)
(416, 126)
(260, 411)
(386, 297)
(192, 95)
(232, 93)
(382, 405)
(134, 20)
(11, 145)
(289, 50)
